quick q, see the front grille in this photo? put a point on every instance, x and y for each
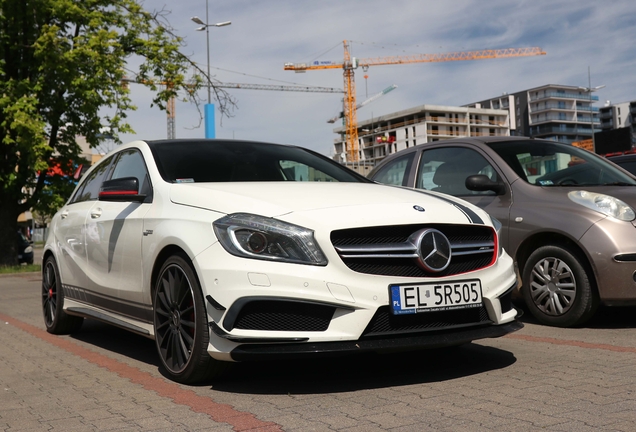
(385, 323)
(389, 250)
(276, 315)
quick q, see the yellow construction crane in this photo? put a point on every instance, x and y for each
(350, 64)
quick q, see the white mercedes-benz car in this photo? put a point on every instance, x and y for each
(227, 251)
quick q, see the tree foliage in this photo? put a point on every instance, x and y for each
(62, 65)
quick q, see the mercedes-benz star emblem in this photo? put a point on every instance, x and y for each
(433, 250)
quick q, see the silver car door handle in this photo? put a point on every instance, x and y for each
(64, 214)
(96, 213)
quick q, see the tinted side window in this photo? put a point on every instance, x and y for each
(130, 163)
(446, 169)
(89, 189)
(395, 172)
(629, 166)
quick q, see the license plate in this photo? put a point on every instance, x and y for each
(431, 297)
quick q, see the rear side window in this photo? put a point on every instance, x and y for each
(395, 172)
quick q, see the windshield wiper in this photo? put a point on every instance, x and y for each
(618, 183)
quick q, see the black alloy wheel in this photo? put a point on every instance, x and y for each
(180, 322)
(55, 319)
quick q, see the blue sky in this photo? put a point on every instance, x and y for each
(266, 34)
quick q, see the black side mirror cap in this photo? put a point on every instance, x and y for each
(125, 189)
(481, 182)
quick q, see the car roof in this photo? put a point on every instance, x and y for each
(465, 140)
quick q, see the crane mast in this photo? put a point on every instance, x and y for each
(349, 64)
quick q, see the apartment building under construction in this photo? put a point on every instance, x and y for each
(381, 136)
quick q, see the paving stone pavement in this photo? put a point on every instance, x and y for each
(103, 378)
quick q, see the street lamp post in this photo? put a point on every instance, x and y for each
(209, 107)
(591, 89)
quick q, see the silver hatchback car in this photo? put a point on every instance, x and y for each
(568, 215)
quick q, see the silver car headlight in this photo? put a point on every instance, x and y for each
(498, 225)
(605, 204)
(259, 237)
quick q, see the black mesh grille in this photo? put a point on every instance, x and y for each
(276, 315)
(384, 322)
(405, 267)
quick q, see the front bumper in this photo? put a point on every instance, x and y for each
(263, 309)
(440, 339)
(611, 248)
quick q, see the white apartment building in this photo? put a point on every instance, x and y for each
(553, 111)
(620, 115)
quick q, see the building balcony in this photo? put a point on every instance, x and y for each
(561, 108)
(562, 130)
(561, 119)
(558, 95)
(608, 124)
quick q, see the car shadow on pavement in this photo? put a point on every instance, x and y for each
(321, 374)
(615, 317)
(363, 371)
(118, 341)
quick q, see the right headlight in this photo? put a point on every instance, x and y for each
(258, 237)
(605, 204)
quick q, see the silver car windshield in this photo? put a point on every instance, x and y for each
(547, 164)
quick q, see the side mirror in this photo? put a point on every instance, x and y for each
(125, 189)
(480, 183)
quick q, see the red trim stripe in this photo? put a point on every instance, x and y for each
(119, 192)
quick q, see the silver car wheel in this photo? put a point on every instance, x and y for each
(553, 286)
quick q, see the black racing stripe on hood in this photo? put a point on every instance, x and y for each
(470, 215)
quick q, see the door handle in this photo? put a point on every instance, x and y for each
(96, 213)
(64, 214)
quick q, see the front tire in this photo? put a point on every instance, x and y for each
(55, 319)
(557, 288)
(180, 322)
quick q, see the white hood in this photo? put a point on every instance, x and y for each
(318, 203)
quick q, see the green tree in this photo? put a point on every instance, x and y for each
(62, 64)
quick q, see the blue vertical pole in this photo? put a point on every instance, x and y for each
(209, 121)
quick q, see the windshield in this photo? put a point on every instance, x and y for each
(544, 163)
(197, 161)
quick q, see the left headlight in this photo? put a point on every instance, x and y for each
(253, 236)
(605, 204)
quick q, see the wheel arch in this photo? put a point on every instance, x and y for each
(535, 241)
(162, 257)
